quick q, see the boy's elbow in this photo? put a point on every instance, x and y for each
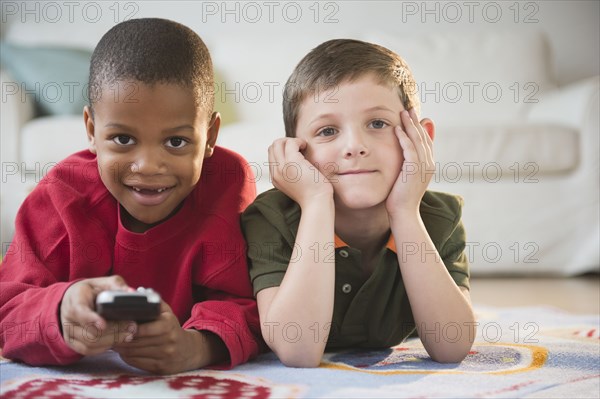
(300, 363)
(449, 357)
(455, 354)
(299, 358)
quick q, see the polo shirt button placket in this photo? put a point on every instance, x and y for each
(343, 253)
(346, 288)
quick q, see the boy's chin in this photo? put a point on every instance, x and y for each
(136, 221)
(359, 201)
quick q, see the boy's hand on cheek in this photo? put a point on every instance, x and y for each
(162, 346)
(417, 169)
(84, 330)
(294, 175)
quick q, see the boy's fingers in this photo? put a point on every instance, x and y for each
(302, 144)
(89, 339)
(113, 334)
(422, 143)
(158, 326)
(283, 152)
(82, 346)
(292, 149)
(125, 332)
(139, 352)
(139, 342)
(109, 283)
(427, 141)
(299, 145)
(275, 159)
(408, 148)
(413, 133)
(85, 316)
(117, 332)
(271, 156)
(164, 307)
(413, 115)
(143, 363)
(165, 323)
(415, 120)
(278, 152)
(78, 306)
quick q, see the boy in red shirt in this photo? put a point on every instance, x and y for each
(153, 203)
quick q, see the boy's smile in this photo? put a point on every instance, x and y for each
(150, 141)
(150, 196)
(350, 134)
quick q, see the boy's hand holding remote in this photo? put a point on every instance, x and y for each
(84, 330)
(164, 341)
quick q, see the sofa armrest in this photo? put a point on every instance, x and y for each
(568, 105)
(576, 106)
(17, 109)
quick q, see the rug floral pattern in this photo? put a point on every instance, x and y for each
(520, 352)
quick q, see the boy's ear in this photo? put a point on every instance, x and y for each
(212, 133)
(429, 127)
(89, 127)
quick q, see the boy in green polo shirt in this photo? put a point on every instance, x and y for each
(350, 249)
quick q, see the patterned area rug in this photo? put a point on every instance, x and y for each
(519, 353)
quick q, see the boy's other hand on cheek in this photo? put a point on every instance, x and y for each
(417, 169)
(84, 330)
(163, 347)
(294, 175)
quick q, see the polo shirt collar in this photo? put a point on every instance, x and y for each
(391, 244)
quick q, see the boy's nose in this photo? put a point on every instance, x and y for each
(356, 145)
(148, 162)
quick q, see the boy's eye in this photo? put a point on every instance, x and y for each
(378, 124)
(177, 142)
(326, 132)
(123, 140)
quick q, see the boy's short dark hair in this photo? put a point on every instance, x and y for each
(153, 50)
(335, 61)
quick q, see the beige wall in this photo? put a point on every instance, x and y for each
(572, 26)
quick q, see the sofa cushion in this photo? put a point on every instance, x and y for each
(77, 34)
(251, 140)
(59, 77)
(474, 79)
(56, 76)
(16, 111)
(48, 140)
(255, 75)
(521, 152)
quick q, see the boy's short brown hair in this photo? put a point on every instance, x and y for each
(335, 61)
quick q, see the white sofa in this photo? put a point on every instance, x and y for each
(520, 149)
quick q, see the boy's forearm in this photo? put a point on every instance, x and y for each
(305, 297)
(443, 314)
(35, 310)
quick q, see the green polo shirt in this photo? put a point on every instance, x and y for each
(369, 311)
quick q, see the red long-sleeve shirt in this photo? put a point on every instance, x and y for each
(69, 229)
